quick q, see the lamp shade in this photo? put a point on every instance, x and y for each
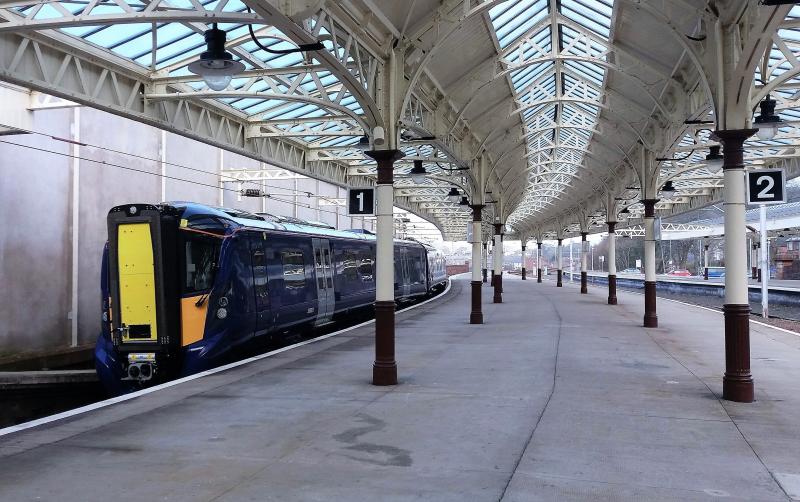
(454, 195)
(418, 172)
(216, 65)
(714, 159)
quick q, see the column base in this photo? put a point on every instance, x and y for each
(538, 275)
(523, 274)
(737, 384)
(650, 317)
(759, 275)
(559, 282)
(584, 284)
(384, 369)
(476, 316)
(484, 276)
(492, 281)
(705, 273)
(498, 289)
(612, 289)
(754, 273)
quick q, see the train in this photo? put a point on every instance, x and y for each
(184, 284)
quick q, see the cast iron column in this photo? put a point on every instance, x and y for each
(476, 315)
(498, 263)
(558, 261)
(523, 262)
(485, 258)
(650, 317)
(492, 260)
(612, 263)
(737, 384)
(584, 256)
(705, 262)
(384, 369)
(538, 262)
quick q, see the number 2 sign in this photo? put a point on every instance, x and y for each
(766, 186)
(361, 201)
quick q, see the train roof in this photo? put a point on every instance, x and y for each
(262, 221)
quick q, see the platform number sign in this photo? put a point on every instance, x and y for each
(766, 186)
(361, 202)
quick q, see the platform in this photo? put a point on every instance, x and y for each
(557, 397)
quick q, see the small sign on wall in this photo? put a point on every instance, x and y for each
(766, 186)
(360, 201)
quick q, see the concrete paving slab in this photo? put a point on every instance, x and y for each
(558, 396)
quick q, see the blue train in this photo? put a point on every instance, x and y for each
(184, 284)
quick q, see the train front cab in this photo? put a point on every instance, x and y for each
(162, 277)
(142, 311)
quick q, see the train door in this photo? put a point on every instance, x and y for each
(323, 268)
(260, 280)
(402, 273)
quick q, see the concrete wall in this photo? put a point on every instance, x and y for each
(149, 166)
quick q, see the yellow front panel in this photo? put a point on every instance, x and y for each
(137, 286)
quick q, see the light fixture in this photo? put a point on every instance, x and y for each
(668, 190)
(767, 122)
(363, 143)
(464, 201)
(714, 159)
(418, 173)
(216, 65)
(454, 195)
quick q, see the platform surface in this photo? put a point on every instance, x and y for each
(558, 396)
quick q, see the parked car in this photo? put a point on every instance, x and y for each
(680, 273)
(631, 271)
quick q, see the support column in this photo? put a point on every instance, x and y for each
(705, 262)
(384, 369)
(584, 256)
(523, 263)
(612, 263)
(559, 282)
(754, 261)
(538, 262)
(498, 263)
(650, 317)
(485, 258)
(491, 259)
(476, 315)
(737, 383)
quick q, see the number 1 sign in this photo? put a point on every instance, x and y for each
(361, 202)
(766, 186)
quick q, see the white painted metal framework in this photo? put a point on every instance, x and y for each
(555, 113)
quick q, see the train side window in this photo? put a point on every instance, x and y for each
(320, 268)
(200, 255)
(349, 266)
(294, 269)
(259, 262)
(366, 268)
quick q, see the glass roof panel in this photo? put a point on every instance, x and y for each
(573, 82)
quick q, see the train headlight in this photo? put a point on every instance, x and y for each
(222, 313)
(223, 301)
